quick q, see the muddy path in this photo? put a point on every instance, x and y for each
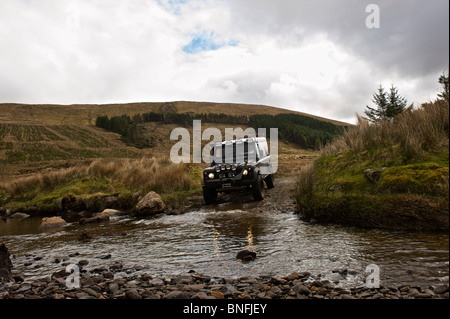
(278, 199)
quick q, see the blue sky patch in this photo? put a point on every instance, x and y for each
(205, 42)
(173, 6)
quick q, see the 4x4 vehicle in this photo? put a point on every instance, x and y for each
(237, 164)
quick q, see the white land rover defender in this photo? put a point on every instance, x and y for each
(237, 164)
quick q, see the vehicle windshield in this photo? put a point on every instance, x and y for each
(236, 152)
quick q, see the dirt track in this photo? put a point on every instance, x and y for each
(280, 198)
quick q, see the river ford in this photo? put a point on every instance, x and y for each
(207, 240)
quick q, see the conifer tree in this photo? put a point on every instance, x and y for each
(388, 105)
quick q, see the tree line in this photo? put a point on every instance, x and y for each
(305, 131)
(389, 104)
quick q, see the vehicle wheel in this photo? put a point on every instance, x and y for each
(258, 189)
(209, 195)
(270, 181)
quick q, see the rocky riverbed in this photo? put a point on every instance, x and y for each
(116, 282)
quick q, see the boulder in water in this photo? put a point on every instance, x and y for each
(246, 255)
(150, 204)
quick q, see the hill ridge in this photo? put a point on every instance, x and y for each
(87, 113)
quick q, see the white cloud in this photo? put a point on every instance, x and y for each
(315, 57)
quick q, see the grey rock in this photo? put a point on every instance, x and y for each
(195, 287)
(413, 292)
(374, 174)
(96, 218)
(183, 280)
(292, 276)
(229, 290)
(83, 262)
(113, 288)
(301, 289)
(442, 289)
(246, 255)
(200, 295)
(177, 295)
(86, 297)
(19, 215)
(150, 204)
(23, 288)
(132, 294)
(156, 282)
(5, 260)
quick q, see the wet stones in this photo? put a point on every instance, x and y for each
(96, 218)
(110, 282)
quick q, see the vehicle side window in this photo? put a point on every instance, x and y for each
(263, 151)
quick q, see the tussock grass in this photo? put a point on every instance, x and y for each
(159, 175)
(42, 181)
(105, 176)
(410, 135)
(413, 189)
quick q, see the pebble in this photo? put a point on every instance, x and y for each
(112, 283)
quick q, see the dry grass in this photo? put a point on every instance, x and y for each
(157, 174)
(305, 183)
(424, 129)
(43, 181)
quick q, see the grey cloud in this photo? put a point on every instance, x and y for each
(413, 37)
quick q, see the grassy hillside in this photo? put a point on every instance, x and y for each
(391, 175)
(87, 113)
(25, 148)
(34, 138)
(48, 152)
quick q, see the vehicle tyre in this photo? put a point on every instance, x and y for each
(209, 195)
(270, 181)
(258, 188)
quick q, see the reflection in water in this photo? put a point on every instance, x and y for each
(250, 237)
(207, 241)
(215, 237)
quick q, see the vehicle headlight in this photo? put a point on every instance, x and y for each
(211, 175)
(228, 167)
(245, 172)
(233, 168)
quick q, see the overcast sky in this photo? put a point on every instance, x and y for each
(317, 57)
